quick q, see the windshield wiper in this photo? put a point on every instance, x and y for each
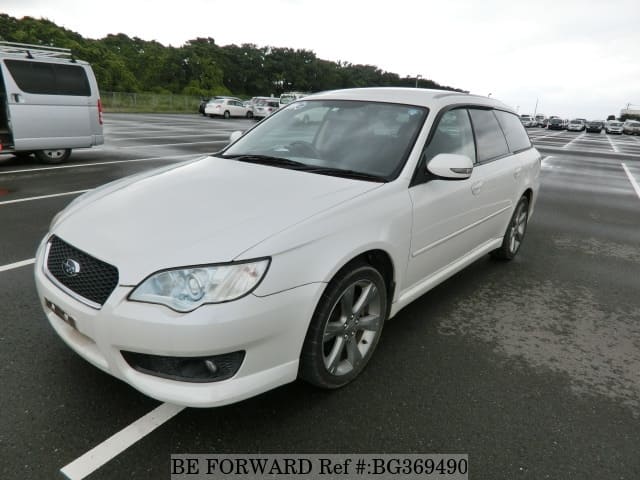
(269, 160)
(295, 165)
(339, 172)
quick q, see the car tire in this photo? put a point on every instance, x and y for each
(57, 155)
(345, 327)
(249, 114)
(515, 233)
(227, 114)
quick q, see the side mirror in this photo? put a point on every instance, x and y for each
(451, 166)
(235, 136)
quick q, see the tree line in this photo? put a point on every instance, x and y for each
(200, 66)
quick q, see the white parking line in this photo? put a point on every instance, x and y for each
(552, 134)
(11, 266)
(574, 140)
(634, 184)
(124, 139)
(78, 165)
(173, 144)
(615, 149)
(29, 199)
(116, 444)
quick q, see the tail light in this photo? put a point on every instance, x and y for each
(100, 112)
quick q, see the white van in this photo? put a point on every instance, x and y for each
(49, 102)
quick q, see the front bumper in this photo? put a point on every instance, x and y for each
(269, 329)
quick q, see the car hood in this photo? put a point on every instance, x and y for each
(205, 211)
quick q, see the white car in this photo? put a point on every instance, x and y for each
(576, 125)
(528, 121)
(614, 126)
(282, 256)
(265, 106)
(227, 107)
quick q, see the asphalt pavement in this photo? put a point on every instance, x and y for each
(531, 367)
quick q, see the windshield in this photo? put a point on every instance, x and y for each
(615, 124)
(555, 120)
(371, 138)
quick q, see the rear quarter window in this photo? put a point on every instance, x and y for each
(490, 141)
(516, 135)
(49, 78)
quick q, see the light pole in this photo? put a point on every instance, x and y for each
(417, 78)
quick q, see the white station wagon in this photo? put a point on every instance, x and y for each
(282, 256)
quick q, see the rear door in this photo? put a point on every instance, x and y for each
(48, 104)
(498, 173)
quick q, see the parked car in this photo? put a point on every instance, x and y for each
(614, 127)
(265, 106)
(595, 126)
(541, 121)
(528, 121)
(49, 103)
(205, 100)
(203, 104)
(284, 254)
(556, 123)
(631, 127)
(227, 108)
(287, 98)
(576, 125)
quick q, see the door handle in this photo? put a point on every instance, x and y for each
(476, 187)
(517, 172)
(17, 98)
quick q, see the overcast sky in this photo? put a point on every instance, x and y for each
(577, 58)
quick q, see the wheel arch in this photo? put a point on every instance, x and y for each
(381, 261)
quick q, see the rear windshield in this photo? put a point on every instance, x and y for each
(49, 78)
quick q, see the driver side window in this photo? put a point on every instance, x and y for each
(452, 135)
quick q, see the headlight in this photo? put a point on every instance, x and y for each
(185, 289)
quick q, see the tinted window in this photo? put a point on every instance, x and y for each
(517, 137)
(489, 137)
(49, 78)
(452, 135)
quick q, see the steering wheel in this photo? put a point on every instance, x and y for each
(303, 149)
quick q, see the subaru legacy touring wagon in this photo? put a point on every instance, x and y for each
(283, 255)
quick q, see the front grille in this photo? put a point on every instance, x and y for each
(95, 279)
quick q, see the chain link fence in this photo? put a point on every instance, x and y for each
(149, 102)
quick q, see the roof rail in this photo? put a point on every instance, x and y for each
(33, 51)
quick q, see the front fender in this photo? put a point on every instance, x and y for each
(316, 249)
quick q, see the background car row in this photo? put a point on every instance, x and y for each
(630, 127)
(256, 107)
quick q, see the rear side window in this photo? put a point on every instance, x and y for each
(517, 137)
(489, 137)
(49, 78)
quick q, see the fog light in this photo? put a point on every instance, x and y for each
(212, 368)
